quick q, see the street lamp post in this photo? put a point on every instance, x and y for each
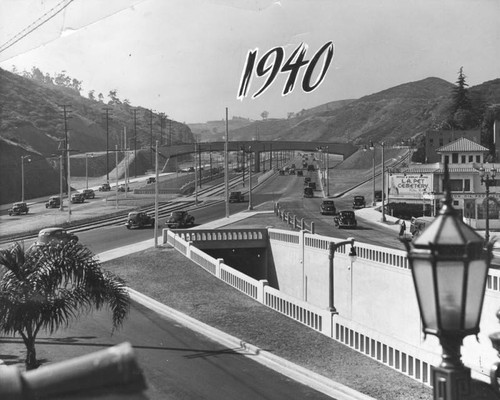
(450, 251)
(487, 179)
(333, 246)
(372, 148)
(327, 173)
(22, 175)
(250, 206)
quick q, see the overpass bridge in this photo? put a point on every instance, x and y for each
(256, 147)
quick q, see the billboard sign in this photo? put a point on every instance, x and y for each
(410, 185)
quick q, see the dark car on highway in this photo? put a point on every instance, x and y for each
(179, 219)
(345, 219)
(77, 198)
(19, 208)
(151, 180)
(139, 219)
(359, 202)
(54, 236)
(308, 192)
(236, 197)
(328, 207)
(53, 202)
(104, 187)
(88, 193)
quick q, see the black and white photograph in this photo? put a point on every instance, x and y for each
(250, 199)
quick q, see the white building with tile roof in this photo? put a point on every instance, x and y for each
(423, 183)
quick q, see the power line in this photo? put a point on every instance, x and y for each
(36, 24)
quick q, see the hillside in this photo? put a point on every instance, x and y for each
(392, 115)
(32, 124)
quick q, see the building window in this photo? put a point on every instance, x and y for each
(440, 142)
(456, 185)
(464, 158)
(478, 159)
(454, 158)
(471, 158)
(431, 140)
(466, 185)
(446, 159)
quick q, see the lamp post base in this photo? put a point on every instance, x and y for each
(451, 384)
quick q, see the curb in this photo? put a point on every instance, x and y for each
(302, 375)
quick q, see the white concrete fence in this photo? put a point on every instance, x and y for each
(376, 307)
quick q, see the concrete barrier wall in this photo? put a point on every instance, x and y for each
(373, 296)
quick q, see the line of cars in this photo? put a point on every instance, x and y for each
(341, 219)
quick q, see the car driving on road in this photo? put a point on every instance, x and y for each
(88, 193)
(179, 219)
(359, 202)
(54, 236)
(53, 202)
(77, 198)
(328, 207)
(345, 219)
(236, 197)
(19, 208)
(139, 219)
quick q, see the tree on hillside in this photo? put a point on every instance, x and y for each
(113, 97)
(100, 96)
(460, 96)
(37, 75)
(62, 79)
(91, 94)
(76, 84)
(48, 79)
(47, 287)
(264, 114)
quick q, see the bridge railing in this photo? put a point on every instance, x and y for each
(292, 219)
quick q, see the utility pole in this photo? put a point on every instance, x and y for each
(226, 167)
(151, 141)
(107, 110)
(135, 142)
(163, 116)
(66, 111)
(170, 130)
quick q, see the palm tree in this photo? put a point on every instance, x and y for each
(47, 287)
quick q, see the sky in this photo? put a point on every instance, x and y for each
(186, 58)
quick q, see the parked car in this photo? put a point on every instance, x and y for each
(104, 187)
(54, 236)
(53, 202)
(139, 219)
(151, 180)
(300, 172)
(308, 192)
(359, 202)
(179, 219)
(418, 225)
(310, 167)
(19, 208)
(345, 219)
(77, 198)
(312, 185)
(307, 179)
(88, 193)
(236, 197)
(328, 207)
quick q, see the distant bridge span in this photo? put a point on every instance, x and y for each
(258, 147)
